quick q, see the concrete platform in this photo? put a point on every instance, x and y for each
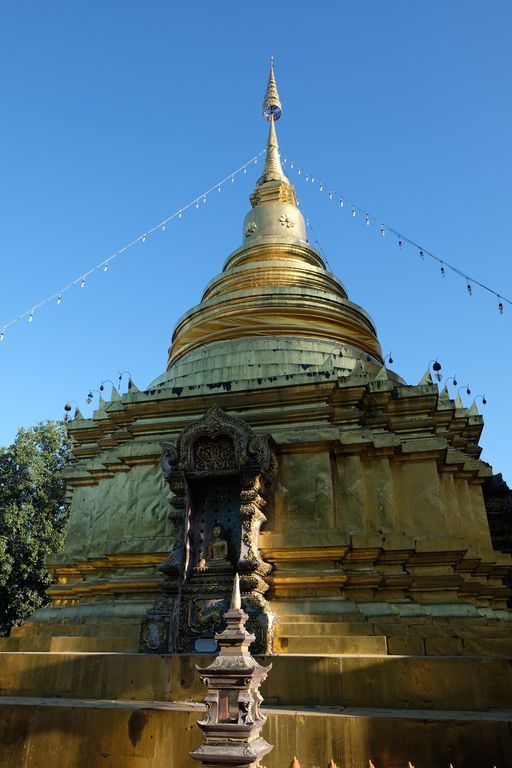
(381, 681)
(142, 734)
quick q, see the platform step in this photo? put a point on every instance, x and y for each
(314, 618)
(69, 644)
(324, 628)
(309, 680)
(139, 734)
(122, 627)
(8, 644)
(329, 644)
(80, 644)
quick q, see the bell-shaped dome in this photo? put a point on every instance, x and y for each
(274, 313)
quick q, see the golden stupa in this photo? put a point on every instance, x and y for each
(277, 446)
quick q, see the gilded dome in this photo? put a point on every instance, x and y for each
(274, 313)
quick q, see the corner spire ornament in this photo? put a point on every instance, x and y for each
(234, 719)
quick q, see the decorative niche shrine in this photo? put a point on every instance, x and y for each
(219, 473)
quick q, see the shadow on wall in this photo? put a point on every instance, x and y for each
(76, 735)
(88, 710)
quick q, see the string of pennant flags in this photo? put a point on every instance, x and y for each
(331, 194)
(104, 265)
(357, 211)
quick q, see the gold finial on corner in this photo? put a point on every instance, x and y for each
(272, 106)
(236, 598)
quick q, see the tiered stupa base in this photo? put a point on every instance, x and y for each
(393, 646)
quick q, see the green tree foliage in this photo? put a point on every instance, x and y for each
(33, 516)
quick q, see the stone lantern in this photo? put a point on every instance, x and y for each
(234, 720)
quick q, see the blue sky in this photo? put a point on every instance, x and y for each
(116, 114)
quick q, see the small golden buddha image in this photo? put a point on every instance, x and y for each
(218, 547)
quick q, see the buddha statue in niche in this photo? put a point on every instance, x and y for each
(217, 550)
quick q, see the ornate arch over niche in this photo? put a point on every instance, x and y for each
(220, 474)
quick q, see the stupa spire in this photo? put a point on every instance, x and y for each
(272, 110)
(272, 106)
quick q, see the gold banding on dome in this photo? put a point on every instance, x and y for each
(276, 314)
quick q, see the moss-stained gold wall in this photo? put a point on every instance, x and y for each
(303, 495)
(124, 513)
(369, 469)
(376, 494)
(350, 493)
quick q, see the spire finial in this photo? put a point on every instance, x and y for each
(272, 111)
(272, 107)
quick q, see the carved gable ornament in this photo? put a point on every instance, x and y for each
(218, 443)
